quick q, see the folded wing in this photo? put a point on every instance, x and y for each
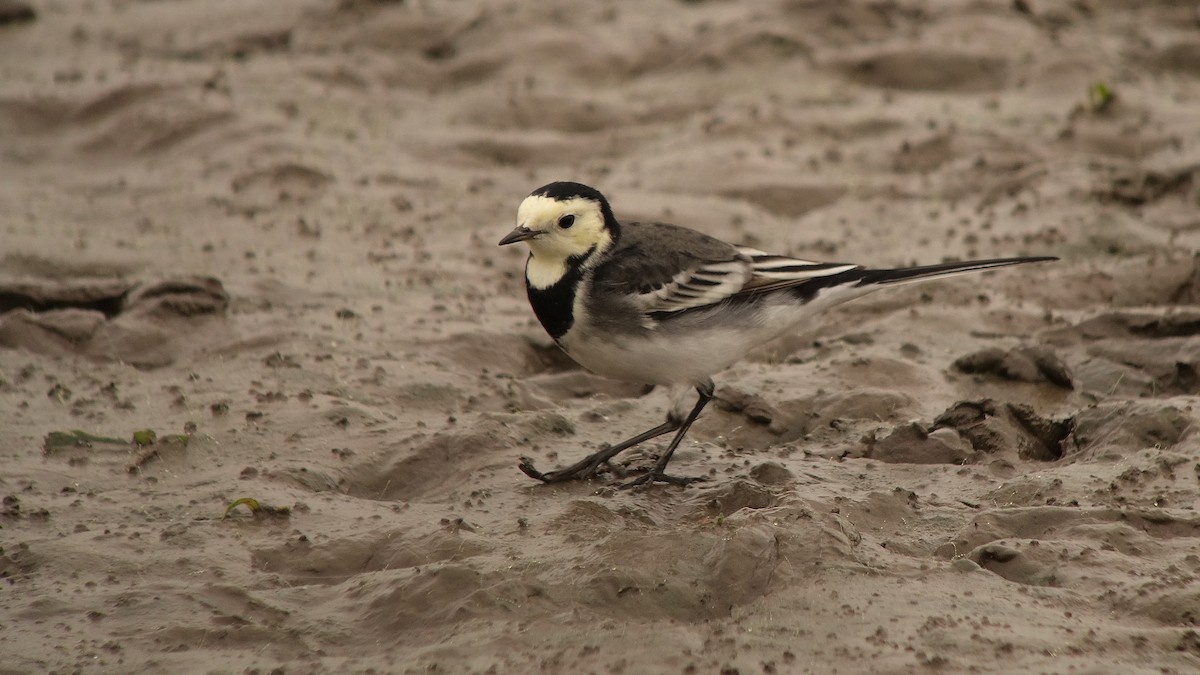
(687, 270)
(750, 271)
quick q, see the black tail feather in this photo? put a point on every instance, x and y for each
(865, 278)
(905, 274)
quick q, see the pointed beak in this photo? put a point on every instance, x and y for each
(522, 233)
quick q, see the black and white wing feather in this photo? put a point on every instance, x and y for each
(706, 283)
(771, 271)
(665, 269)
(750, 272)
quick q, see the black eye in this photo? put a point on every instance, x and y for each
(566, 221)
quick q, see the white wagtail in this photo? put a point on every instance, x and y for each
(662, 304)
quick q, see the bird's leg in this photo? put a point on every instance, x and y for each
(658, 473)
(587, 467)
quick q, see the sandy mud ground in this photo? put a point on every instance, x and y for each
(266, 231)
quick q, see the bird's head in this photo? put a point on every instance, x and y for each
(564, 220)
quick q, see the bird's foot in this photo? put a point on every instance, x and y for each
(583, 470)
(657, 476)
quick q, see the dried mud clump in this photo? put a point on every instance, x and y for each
(1027, 364)
(970, 430)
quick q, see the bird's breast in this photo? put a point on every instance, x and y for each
(553, 302)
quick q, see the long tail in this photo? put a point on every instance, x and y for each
(904, 275)
(842, 286)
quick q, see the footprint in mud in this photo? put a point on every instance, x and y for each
(147, 325)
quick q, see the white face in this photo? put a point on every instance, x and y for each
(562, 228)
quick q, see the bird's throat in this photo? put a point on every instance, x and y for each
(552, 288)
(542, 272)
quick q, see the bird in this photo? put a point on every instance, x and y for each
(662, 304)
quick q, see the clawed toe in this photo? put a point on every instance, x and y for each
(582, 471)
(592, 466)
(526, 467)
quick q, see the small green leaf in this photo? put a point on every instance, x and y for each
(1100, 96)
(144, 437)
(257, 508)
(250, 503)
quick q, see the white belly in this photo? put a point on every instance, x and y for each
(670, 358)
(692, 349)
(654, 360)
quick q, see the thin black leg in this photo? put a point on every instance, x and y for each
(588, 466)
(658, 473)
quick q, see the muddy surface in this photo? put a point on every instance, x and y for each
(266, 232)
